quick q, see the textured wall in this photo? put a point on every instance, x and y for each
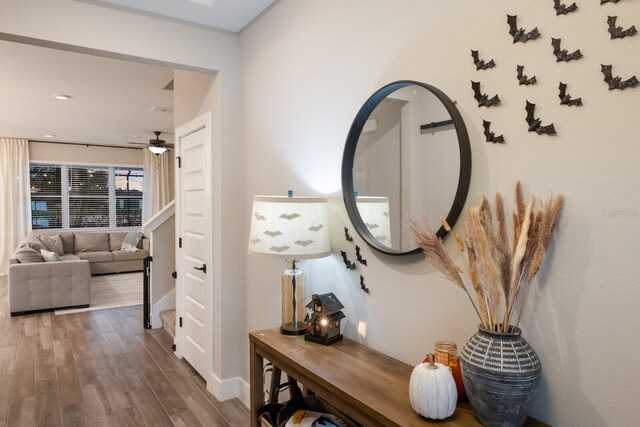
(307, 68)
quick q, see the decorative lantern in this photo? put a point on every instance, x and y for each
(323, 319)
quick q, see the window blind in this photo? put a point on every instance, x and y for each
(129, 183)
(88, 197)
(46, 196)
(65, 196)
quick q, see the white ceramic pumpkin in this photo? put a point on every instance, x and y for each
(432, 390)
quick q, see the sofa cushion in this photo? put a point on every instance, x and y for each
(33, 243)
(50, 256)
(26, 255)
(96, 256)
(53, 244)
(129, 255)
(91, 242)
(115, 239)
(68, 241)
(69, 257)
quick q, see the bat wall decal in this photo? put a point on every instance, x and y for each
(563, 54)
(608, 1)
(535, 124)
(618, 32)
(348, 264)
(491, 136)
(480, 63)
(290, 216)
(523, 79)
(565, 98)
(482, 98)
(519, 34)
(359, 257)
(617, 82)
(362, 286)
(347, 236)
(563, 9)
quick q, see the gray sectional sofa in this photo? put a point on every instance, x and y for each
(46, 285)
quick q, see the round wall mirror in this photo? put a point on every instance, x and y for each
(407, 154)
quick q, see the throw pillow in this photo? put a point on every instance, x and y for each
(49, 256)
(131, 240)
(26, 255)
(53, 244)
(33, 243)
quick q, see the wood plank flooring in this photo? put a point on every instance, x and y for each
(99, 368)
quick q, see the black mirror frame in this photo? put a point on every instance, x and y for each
(348, 157)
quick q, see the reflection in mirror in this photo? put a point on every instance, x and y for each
(407, 163)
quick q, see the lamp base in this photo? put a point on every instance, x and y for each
(297, 328)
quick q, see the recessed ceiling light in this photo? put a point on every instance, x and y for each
(49, 135)
(62, 97)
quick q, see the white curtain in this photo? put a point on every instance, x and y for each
(157, 190)
(15, 198)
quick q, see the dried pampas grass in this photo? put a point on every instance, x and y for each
(500, 273)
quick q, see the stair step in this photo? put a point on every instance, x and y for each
(168, 318)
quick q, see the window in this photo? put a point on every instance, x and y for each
(66, 196)
(128, 197)
(46, 197)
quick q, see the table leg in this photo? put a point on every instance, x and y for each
(257, 383)
(274, 390)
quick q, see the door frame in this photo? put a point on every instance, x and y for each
(200, 123)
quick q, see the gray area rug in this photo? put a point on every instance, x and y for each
(111, 291)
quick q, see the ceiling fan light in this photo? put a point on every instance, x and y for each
(157, 150)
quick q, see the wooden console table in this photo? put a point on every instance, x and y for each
(370, 387)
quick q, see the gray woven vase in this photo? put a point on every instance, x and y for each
(501, 374)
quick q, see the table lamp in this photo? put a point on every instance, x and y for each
(293, 228)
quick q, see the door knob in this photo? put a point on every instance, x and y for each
(203, 268)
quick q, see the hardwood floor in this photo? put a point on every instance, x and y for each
(99, 368)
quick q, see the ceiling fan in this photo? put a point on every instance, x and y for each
(156, 145)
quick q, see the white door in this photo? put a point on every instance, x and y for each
(194, 259)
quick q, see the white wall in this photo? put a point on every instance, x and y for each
(307, 68)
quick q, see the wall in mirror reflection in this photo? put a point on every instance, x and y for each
(415, 172)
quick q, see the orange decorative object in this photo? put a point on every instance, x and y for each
(447, 353)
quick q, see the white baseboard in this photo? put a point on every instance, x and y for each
(229, 389)
(167, 302)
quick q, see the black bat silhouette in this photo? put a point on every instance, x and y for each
(259, 217)
(350, 265)
(304, 243)
(563, 9)
(273, 233)
(278, 248)
(608, 1)
(565, 98)
(362, 286)
(483, 98)
(618, 32)
(479, 63)
(254, 241)
(617, 82)
(563, 54)
(523, 79)
(371, 226)
(535, 124)
(316, 227)
(518, 34)
(491, 136)
(359, 257)
(346, 235)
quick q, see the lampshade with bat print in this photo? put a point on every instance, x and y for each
(292, 228)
